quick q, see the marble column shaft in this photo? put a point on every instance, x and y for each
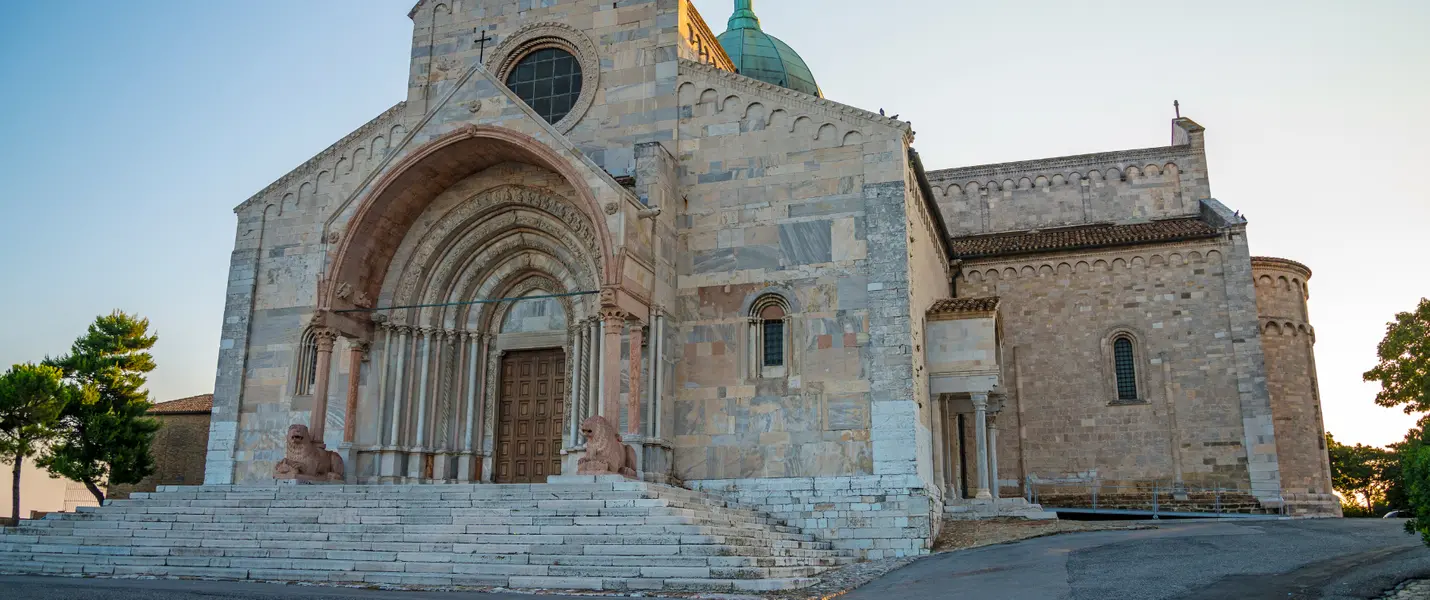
(993, 455)
(319, 419)
(399, 390)
(421, 437)
(355, 356)
(615, 321)
(633, 399)
(980, 442)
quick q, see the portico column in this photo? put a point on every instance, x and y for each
(615, 320)
(633, 401)
(325, 339)
(356, 352)
(980, 441)
(993, 454)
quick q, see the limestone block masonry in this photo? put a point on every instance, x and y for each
(586, 533)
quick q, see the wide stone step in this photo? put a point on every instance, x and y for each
(118, 524)
(608, 535)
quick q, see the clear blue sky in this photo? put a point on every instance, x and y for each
(132, 129)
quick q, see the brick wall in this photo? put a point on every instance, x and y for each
(1059, 313)
(178, 451)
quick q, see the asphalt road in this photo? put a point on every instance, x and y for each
(1242, 560)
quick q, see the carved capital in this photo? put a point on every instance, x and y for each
(361, 348)
(325, 339)
(614, 317)
(979, 399)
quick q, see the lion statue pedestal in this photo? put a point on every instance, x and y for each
(307, 461)
(605, 454)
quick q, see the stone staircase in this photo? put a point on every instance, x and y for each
(591, 533)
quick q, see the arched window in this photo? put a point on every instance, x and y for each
(307, 364)
(1124, 365)
(769, 336)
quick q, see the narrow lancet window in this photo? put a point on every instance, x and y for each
(1126, 369)
(307, 364)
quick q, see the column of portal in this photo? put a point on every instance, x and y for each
(576, 332)
(595, 355)
(980, 441)
(470, 342)
(415, 456)
(399, 351)
(319, 420)
(615, 322)
(356, 352)
(633, 399)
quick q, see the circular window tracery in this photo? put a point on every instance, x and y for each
(549, 80)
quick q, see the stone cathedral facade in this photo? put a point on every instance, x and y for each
(593, 208)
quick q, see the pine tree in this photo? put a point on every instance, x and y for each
(103, 437)
(31, 397)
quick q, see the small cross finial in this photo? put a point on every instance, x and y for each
(481, 44)
(1177, 106)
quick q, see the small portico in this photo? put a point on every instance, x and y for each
(964, 377)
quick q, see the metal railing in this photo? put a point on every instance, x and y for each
(1151, 493)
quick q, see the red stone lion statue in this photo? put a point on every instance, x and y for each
(605, 454)
(307, 459)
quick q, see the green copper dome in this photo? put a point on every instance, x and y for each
(762, 56)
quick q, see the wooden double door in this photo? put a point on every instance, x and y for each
(530, 414)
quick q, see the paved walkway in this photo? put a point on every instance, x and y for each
(1242, 560)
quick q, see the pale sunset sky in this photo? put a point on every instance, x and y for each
(132, 129)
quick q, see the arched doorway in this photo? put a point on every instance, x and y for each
(483, 268)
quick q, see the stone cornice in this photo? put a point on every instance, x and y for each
(312, 164)
(1272, 262)
(1100, 160)
(813, 104)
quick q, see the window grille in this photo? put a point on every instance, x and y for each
(774, 336)
(549, 81)
(1125, 366)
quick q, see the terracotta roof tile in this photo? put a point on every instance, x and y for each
(202, 403)
(1081, 236)
(961, 305)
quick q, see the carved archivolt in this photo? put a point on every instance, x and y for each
(537, 36)
(476, 227)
